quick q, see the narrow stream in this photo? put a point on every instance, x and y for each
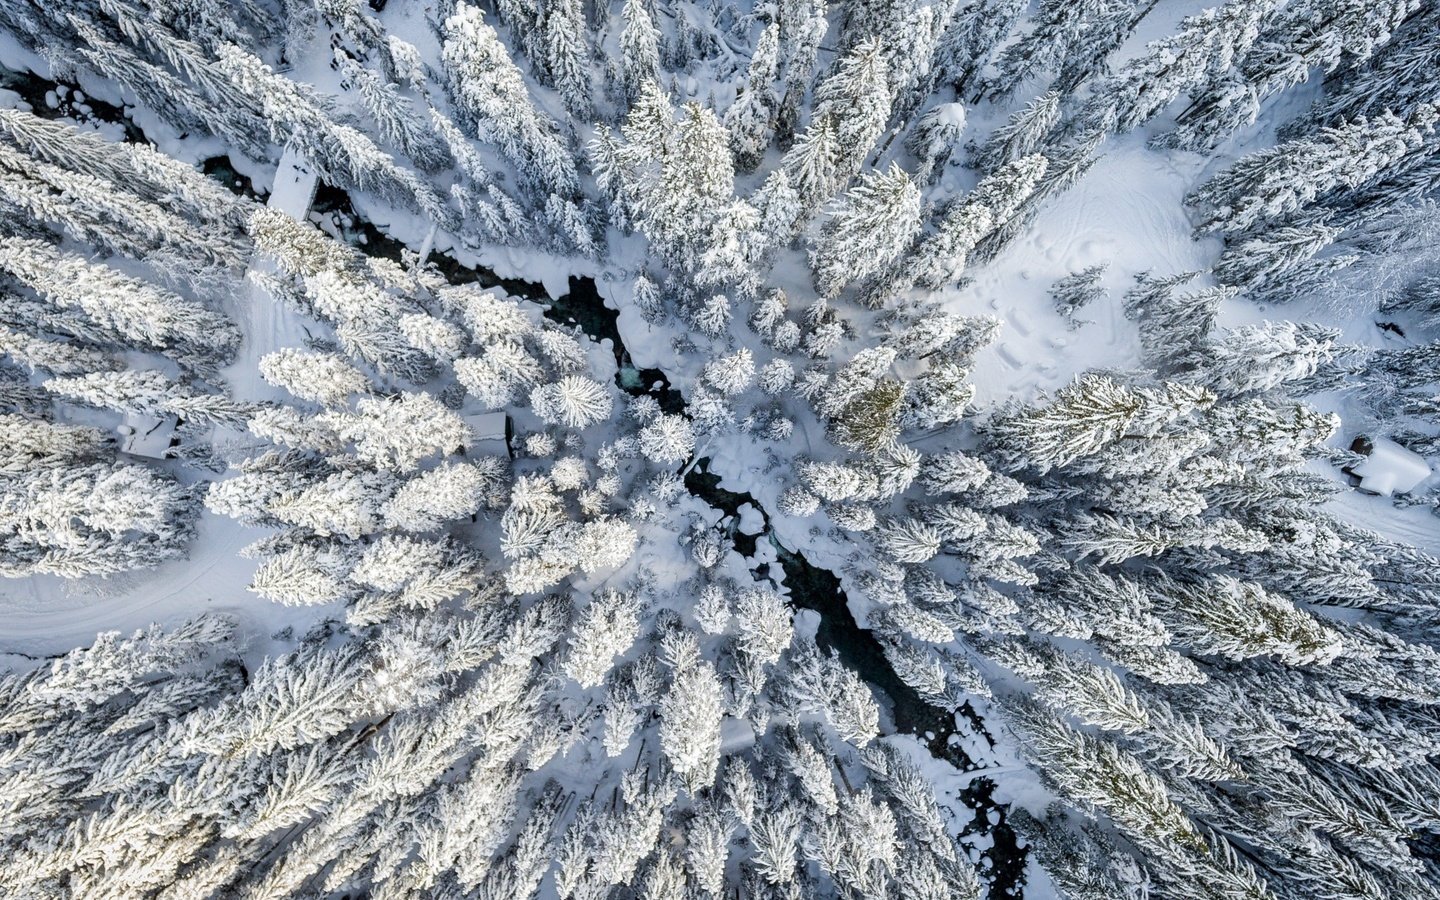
(56, 100)
(1002, 866)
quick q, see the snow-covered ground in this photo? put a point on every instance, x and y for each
(1127, 213)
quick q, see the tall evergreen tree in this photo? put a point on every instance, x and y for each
(868, 231)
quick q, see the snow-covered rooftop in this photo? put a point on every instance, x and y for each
(146, 435)
(491, 432)
(295, 183)
(1391, 469)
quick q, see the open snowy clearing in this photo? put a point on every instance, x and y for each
(1127, 213)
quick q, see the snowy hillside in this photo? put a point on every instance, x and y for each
(666, 449)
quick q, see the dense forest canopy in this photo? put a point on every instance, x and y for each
(914, 449)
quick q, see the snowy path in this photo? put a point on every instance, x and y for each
(49, 615)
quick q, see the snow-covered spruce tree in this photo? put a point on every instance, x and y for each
(1022, 135)
(149, 392)
(1295, 40)
(359, 296)
(136, 168)
(851, 108)
(939, 257)
(1078, 289)
(395, 117)
(490, 93)
(36, 443)
(93, 209)
(446, 493)
(1205, 45)
(667, 439)
(871, 228)
(122, 309)
(168, 66)
(80, 518)
(325, 378)
(1282, 180)
(751, 118)
(972, 37)
(574, 402)
(606, 628)
(1392, 78)
(566, 37)
(675, 182)
(935, 138)
(1262, 262)
(639, 49)
(399, 432)
(1262, 357)
(1060, 30)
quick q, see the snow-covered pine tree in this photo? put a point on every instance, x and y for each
(1060, 29)
(1205, 45)
(639, 49)
(935, 138)
(394, 116)
(1078, 289)
(868, 231)
(1279, 181)
(751, 118)
(132, 311)
(99, 518)
(566, 36)
(972, 37)
(490, 93)
(1295, 39)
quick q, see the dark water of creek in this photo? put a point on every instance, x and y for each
(1002, 866)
